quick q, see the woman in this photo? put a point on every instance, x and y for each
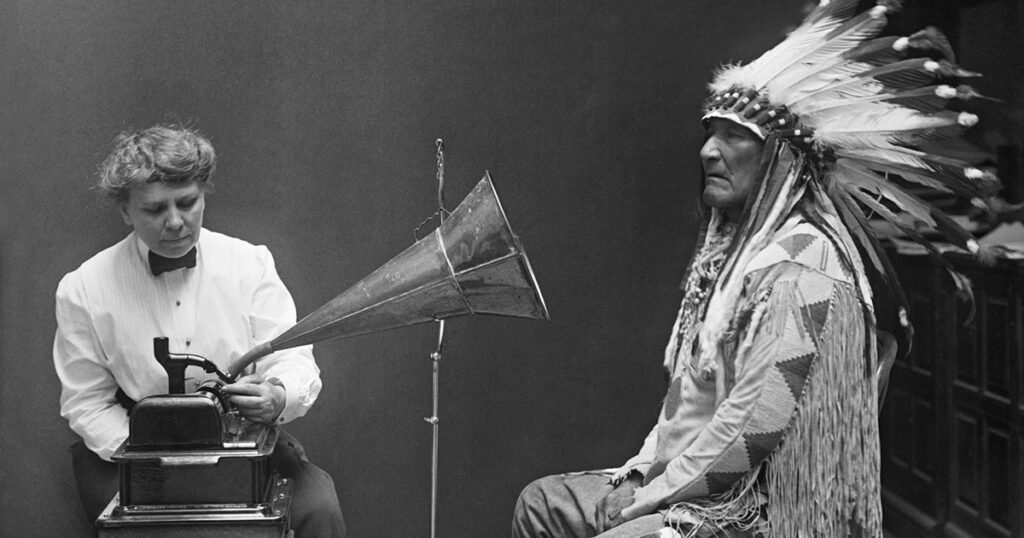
(208, 293)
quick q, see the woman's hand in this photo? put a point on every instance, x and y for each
(256, 398)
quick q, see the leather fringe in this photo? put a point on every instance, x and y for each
(824, 479)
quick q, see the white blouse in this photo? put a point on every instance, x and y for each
(111, 307)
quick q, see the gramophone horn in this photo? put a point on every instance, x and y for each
(471, 264)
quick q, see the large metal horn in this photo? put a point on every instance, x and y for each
(471, 264)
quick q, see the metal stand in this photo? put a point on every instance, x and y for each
(435, 357)
(433, 420)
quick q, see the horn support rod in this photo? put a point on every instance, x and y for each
(436, 355)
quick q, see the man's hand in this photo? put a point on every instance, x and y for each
(608, 513)
(256, 398)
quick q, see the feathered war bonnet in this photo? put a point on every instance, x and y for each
(842, 112)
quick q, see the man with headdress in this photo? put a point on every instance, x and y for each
(770, 423)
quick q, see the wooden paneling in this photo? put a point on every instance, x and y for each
(953, 421)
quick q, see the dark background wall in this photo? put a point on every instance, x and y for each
(324, 115)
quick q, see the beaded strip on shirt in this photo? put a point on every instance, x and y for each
(706, 267)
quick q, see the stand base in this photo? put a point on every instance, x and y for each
(266, 520)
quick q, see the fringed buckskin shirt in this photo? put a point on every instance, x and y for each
(797, 426)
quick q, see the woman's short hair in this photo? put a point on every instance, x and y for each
(162, 153)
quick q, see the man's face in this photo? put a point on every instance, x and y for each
(730, 157)
(167, 218)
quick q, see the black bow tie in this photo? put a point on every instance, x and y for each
(159, 264)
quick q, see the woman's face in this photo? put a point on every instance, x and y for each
(730, 157)
(168, 218)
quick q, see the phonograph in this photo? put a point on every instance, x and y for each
(192, 467)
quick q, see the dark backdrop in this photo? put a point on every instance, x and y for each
(324, 115)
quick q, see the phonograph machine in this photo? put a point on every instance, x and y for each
(191, 466)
